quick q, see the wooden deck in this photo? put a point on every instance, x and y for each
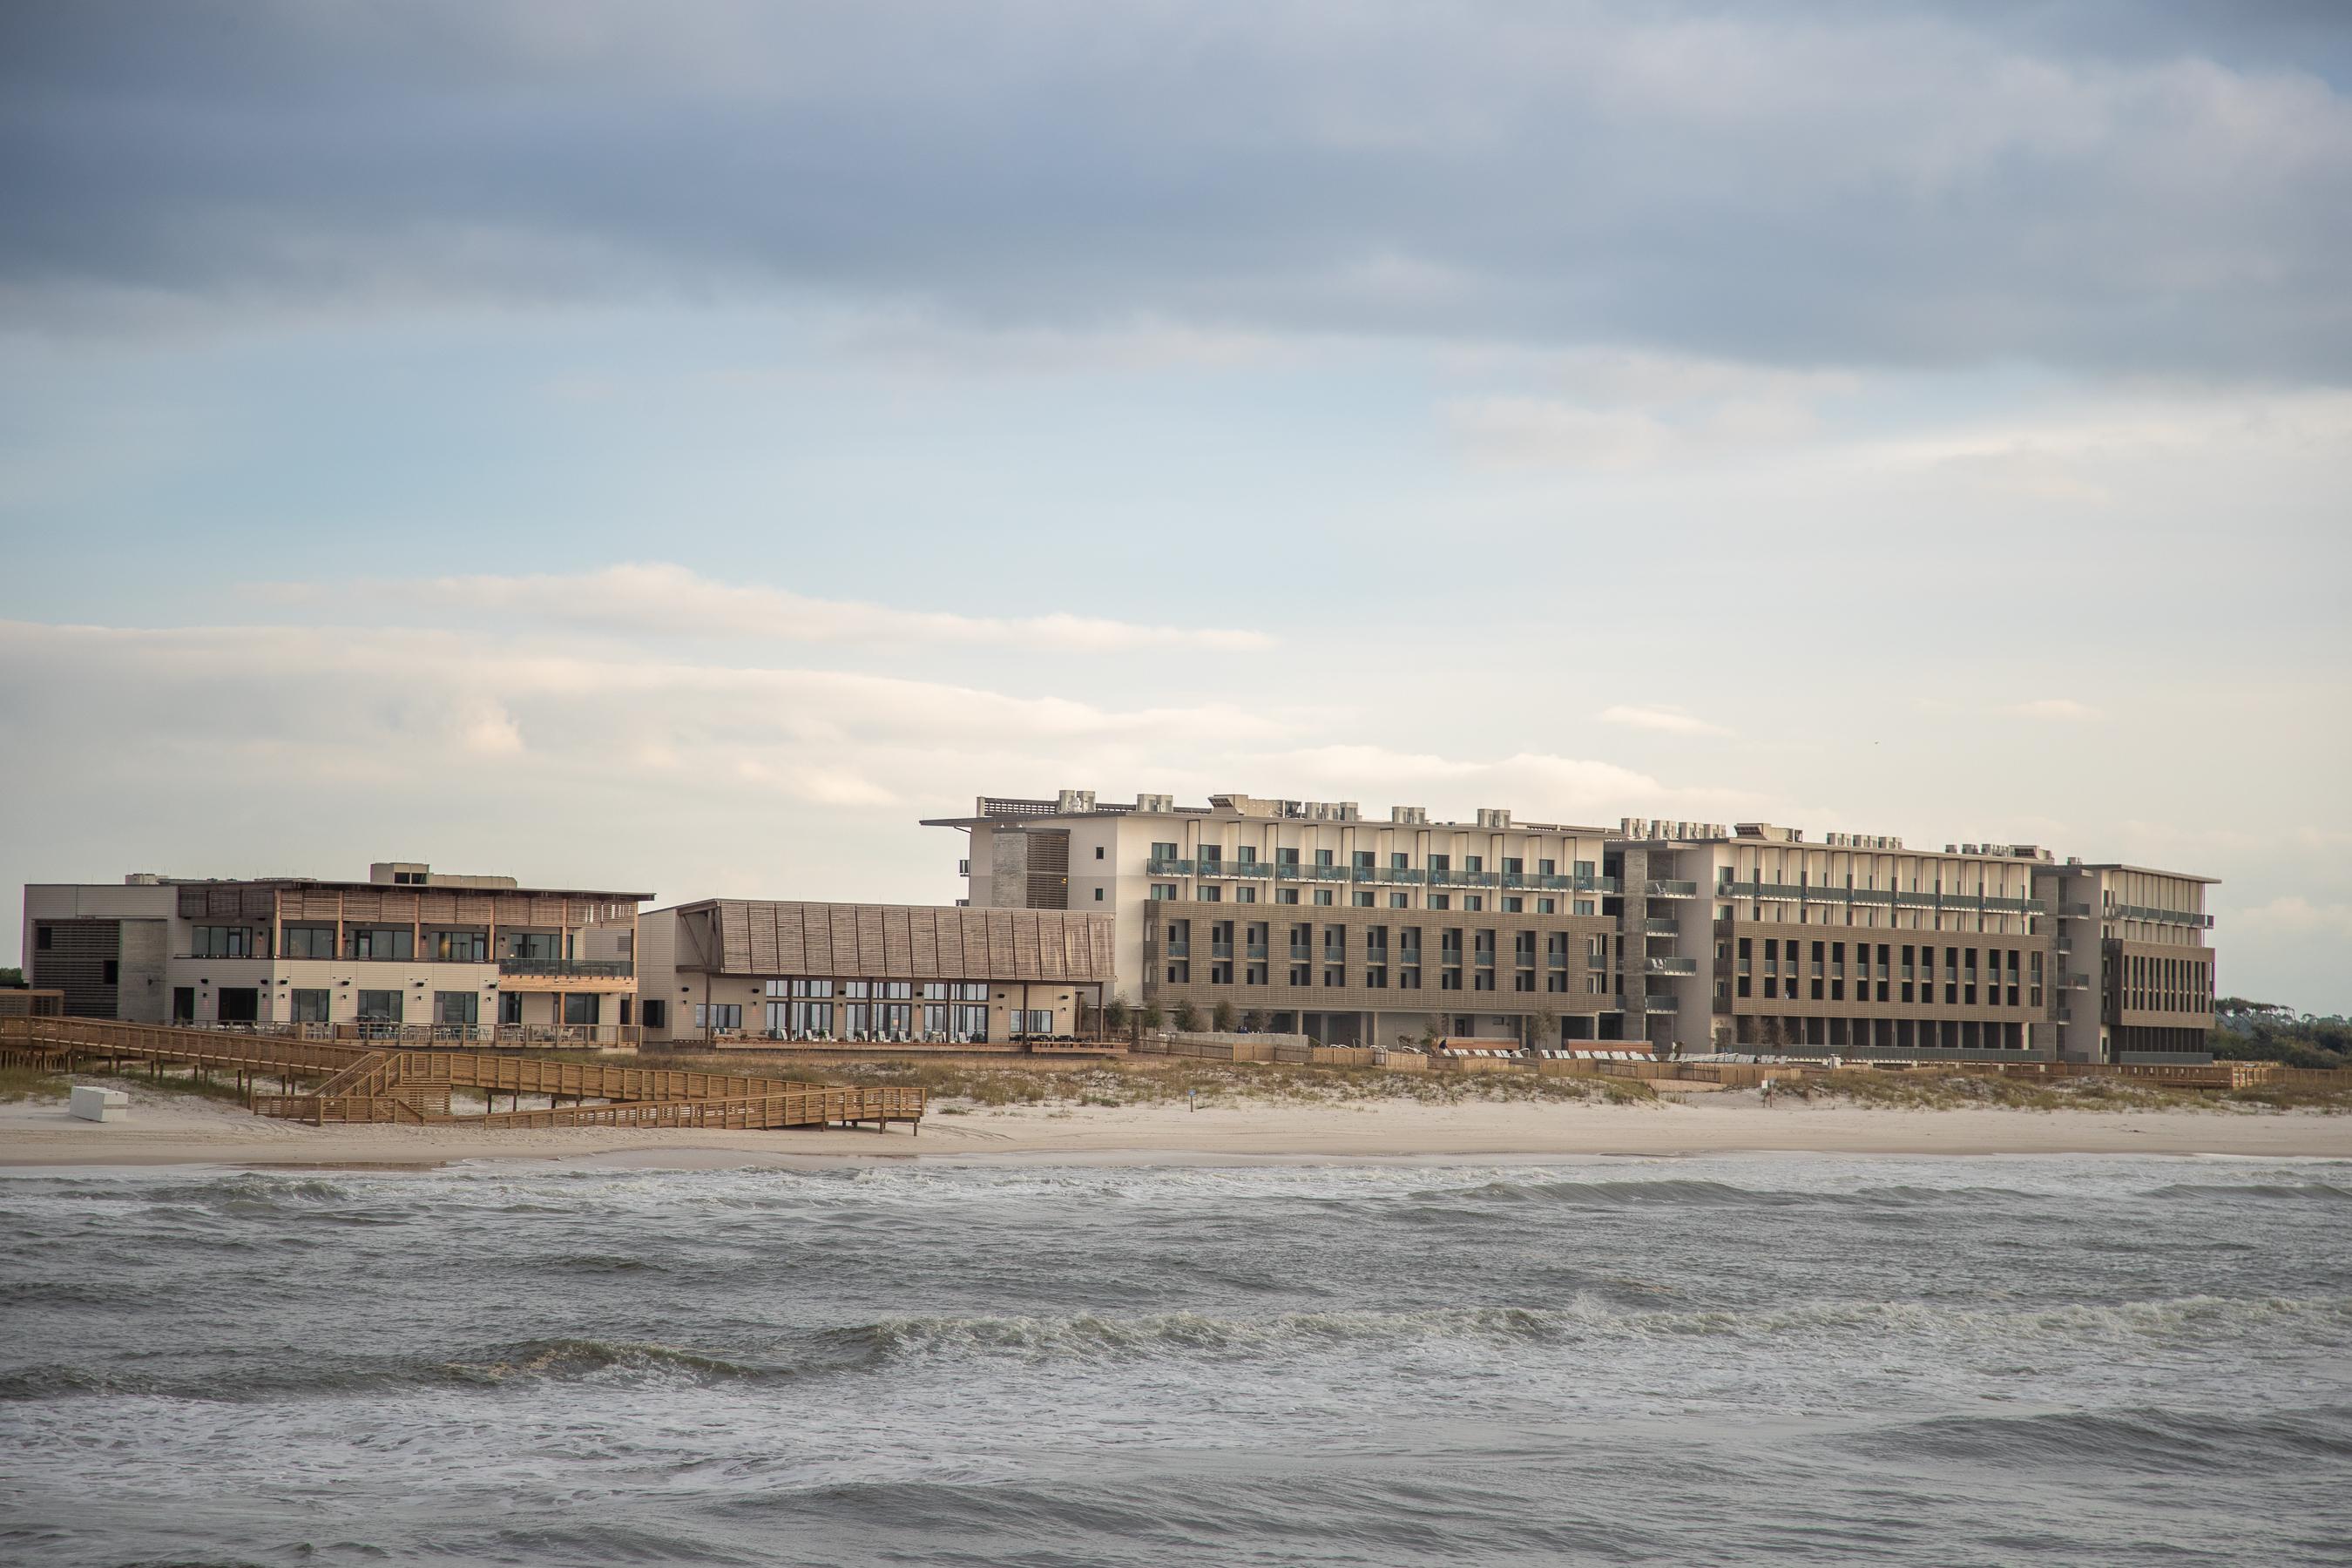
(321, 1082)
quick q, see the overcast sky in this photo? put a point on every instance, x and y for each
(675, 447)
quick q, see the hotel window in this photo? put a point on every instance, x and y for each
(1323, 856)
(1163, 851)
(1099, 851)
(1099, 895)
(545, 946)
(1362, 900)
(311, 1007)
(1363, 860)
(1285, 895)
(1449, 980)
(1547, 906)
(1473, 863)
(1513, 866)
(713, 1014)
(458, 946)
(1241, 895)
(1212, 895)
(583, 1008)
(221, 942)
(1440, 862)
(1163, 891)
(1584, 867)
(1547, 868)
(1336, 979)
(1514, 905)
(1482, 980)
(1246, 856)
(1583, 906)
(379, 1007)
(1440, 901)
(1400, 862)
(1473, 901)
(456, 1007)
(1286, 856)
(1302, 974)
(1323, 897)
(308, 941)
(1400, 901)
(380, 943)
(656, 1012)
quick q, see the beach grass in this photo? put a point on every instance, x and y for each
(1161, 1080)
(31, 1083)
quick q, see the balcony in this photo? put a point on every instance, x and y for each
(1670, 966)
(1660, 1004)
(1176, 949)
(1221, 950)
(1168, 868)
(1661, 927)
(568, 968)
(1656, 889)
(1254, 949)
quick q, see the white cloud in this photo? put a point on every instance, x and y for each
(2295, 915)
(2060, 708)
(661, 598)
(1672, 721)
(1542, 432)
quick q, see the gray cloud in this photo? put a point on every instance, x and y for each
(2164, 188)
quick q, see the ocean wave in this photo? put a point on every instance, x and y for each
(567, 1359)
(2314, 1192)
(1095, 1336)
(2146, 1439)
(1698, 1193)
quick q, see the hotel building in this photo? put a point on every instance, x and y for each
(724, 969)
(409, 954)
(1307, 916)
(1310, 918)
(2135, 973)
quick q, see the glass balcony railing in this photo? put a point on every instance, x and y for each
(1660, 1004)
(1667, 888)
(569, 968)
(1661, 927)
(1670, 965)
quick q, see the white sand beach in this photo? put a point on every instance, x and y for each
(169, 1128)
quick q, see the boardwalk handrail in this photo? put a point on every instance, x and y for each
(361, 1084)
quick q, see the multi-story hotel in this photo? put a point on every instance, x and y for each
(807, 972)
(1307, 916)
(409, 951)
(2136, 975)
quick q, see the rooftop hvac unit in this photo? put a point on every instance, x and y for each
(1155, 803)
(1413, 815)
(1490, 818)
(1072, 800)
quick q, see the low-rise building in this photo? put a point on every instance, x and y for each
(410, 952)
(724, 969)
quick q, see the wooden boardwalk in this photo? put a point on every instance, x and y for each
(322, 1081)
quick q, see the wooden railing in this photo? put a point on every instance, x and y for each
(357, 1084)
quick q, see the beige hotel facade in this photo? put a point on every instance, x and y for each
(1311, 916)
